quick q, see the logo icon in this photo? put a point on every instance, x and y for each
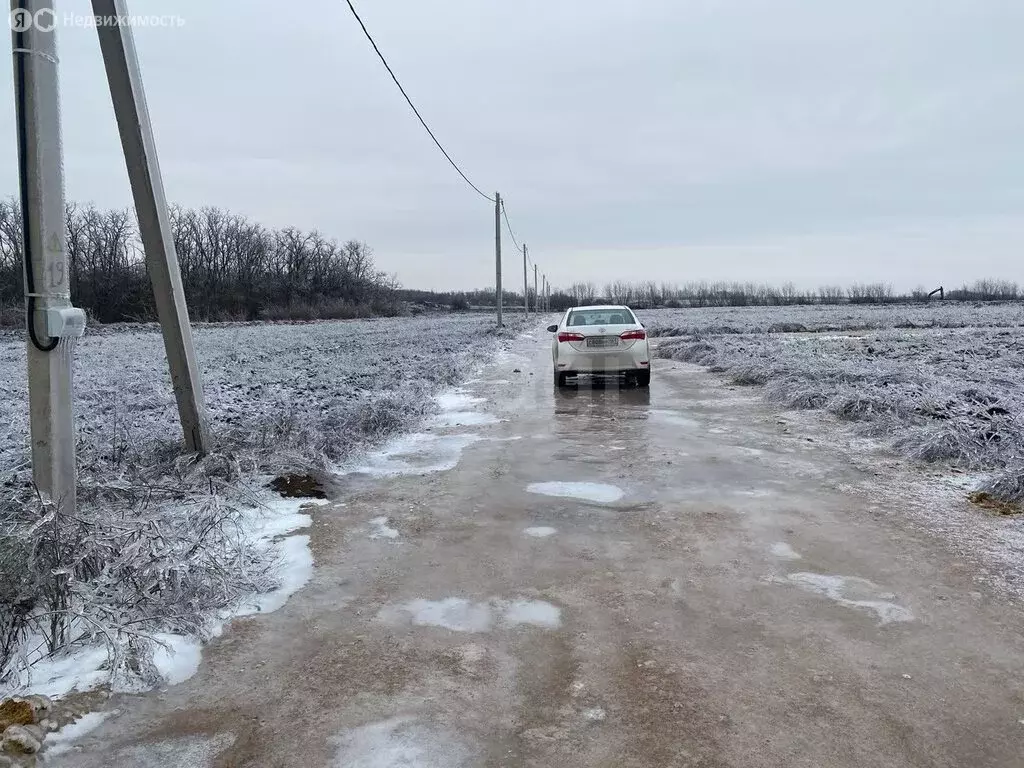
(21, 20)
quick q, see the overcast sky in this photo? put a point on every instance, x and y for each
(810, 141)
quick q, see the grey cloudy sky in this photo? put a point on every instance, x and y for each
(805, 140)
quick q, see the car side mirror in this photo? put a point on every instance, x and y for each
(552, 328)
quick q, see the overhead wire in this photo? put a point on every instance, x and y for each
(413, 106)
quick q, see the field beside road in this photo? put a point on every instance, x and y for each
(162, 542)
(939, 383)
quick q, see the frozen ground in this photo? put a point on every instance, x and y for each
(941, 384)
(165, 549)
(723, 590)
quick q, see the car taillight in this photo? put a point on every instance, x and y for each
(633, 336)
(571, 337)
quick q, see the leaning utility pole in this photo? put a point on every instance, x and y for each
(497, 254)
(50, 318)
(526, 287)
(129, 99)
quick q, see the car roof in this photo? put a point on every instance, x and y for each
(600, 306)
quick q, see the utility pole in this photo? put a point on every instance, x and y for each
(129, 98)
(526, 287)
(497, 254)
(536, 297)
(50, 318)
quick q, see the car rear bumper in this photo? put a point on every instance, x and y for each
(633, 359)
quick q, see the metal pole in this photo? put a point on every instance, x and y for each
(526, 287)
(536, 298)
(497, 254)
(46, 273)
(129, 98)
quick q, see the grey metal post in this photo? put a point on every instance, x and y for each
(47, 279)
(497, 254)
(129, 99)
(526, 287)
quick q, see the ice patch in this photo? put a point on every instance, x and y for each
(854, 593)
(594, 715)
(401, 742)
(536, 613)
(674, 417)
(464, 419)
(454, 613)
(783, 550)
(596, 492)
(458, 400)
(381, 529)
(461, 615)
(416, 454)
(540, 531)
(61, 741)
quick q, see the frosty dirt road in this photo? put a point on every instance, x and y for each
(605, 578)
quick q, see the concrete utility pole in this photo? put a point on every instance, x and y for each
(536, 298)
(129, 98)
(526, 287)
(50, 318)
(497, 253)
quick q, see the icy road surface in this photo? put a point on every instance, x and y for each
(619, 579)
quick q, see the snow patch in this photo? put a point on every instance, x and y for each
(854, 593)
(176, 657)
(381, 529)
(596, 492)
(58, 676)
(674, 417)
(62, 741)
(783, 550)
(540, 531)
(417, 454)
(461, 615)
(458, 400)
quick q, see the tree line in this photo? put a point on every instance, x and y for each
(231, 268)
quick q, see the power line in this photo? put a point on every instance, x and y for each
(509, 225)
(409, 101)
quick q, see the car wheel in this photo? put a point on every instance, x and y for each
(643, 378)
(560, 380)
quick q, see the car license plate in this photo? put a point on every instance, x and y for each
(602, 341)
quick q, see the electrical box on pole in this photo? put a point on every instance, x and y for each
(497, 254)
(52, 324)
(122, 64)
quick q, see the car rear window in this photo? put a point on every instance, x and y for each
(601, 317)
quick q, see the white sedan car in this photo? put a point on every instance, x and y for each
(602, 341)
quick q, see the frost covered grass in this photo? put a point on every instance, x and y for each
(831, 318)
(162, 541)
(940, 384)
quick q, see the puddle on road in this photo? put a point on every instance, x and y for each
(461, 615)
(600, 493)
(854, 592)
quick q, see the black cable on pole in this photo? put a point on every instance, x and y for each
(413, 106)
(26, 242)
